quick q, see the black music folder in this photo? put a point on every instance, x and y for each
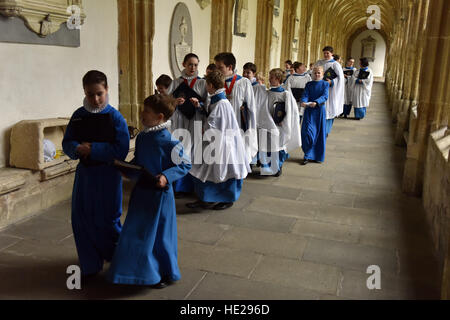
(94, 127)
(279, 113)
(330, 74)
(244, 117)
(185, 92)
(363, 75)
(349, 72)
(145, 178)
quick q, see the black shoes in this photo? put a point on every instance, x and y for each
(209, 205)
(304, 162)
(278, 173)
(160, 285)
(200, 204)
(223, 205)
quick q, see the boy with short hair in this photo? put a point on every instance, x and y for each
(362, 93)
(218, 180)
(334, 75)
(239, 92)
(278, 120)
(163, 83)
(314, 122)
(349, 70)
(296, 84)
(146, 253)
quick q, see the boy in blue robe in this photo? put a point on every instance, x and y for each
(147, 251)
(97, 190)
(315, 117)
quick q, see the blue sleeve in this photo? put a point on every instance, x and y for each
(69, 144)
(324, 96)
(332, 83)
(107, 152)
(178, 171)
(305, 97)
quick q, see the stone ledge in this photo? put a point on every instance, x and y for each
(25, 193)
(12, 179)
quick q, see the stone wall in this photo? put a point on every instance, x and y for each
(32, 195)
(436, 199)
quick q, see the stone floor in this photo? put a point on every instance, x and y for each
(309, 234)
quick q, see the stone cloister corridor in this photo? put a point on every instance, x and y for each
(322, 225)
(382, 197)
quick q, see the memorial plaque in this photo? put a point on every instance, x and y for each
(180, 38)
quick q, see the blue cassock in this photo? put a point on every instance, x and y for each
(97, 195)
(147, 248)
(314, 121)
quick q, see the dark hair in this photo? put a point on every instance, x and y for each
(190, 55)
(336, 57)
(227, 58)
(161, 103)
(95, 77)
(216, 79)
(289, 62)
(164, 80)
(250, 66)
(328, 48)
(364, 62)
(297, 65)
(211, 67)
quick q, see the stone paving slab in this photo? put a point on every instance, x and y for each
(252, 219)
(327, 231)
(295, 273)
(351, 256)
(224, 287)
(217, 259)
(264, 242)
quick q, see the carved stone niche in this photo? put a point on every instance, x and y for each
(44, 17)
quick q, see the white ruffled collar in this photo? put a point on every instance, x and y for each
(93, 109)
(184, 76)
(159, 127)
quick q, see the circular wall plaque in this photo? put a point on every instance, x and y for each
(180, 38)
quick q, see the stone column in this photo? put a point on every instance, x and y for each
(221, 27)
(264, 35)
(289, 15)
(136, 31)
(409, 72)
(432, 111)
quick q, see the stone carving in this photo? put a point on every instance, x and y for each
(369, 45)
(41, 17)
(46, 26)
(183, 31)
(203, 3)
(241, 18)
(180, 38)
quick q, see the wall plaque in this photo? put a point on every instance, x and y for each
(180, 38)
(44, 17)
(368, 48)
(241, 18)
